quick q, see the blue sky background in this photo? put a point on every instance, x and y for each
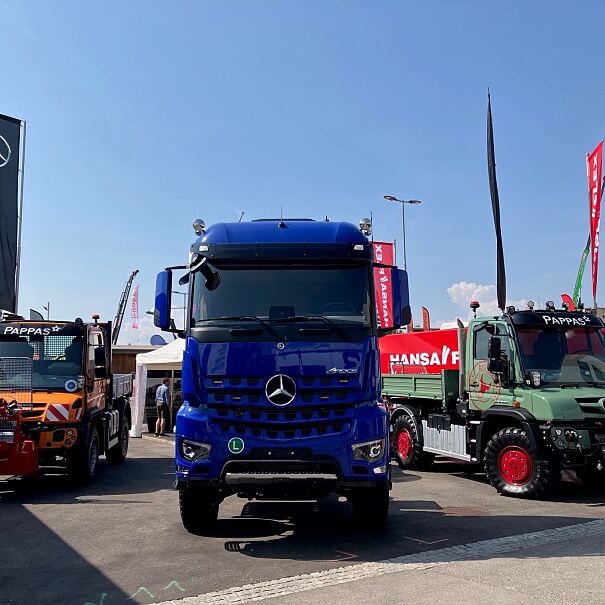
(144, 115)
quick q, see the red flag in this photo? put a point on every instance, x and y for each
(383, 253)
(134, 309)
(569, 300)
(594, 170)
(426, 320)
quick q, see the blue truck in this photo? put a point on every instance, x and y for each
(281, 374)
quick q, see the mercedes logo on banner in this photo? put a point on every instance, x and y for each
(5, 152)
(280, 390)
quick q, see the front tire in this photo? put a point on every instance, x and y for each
(199, 509)
(82, 463)
(407, 445)
(117, 454)
(371, 506)
(515, 468)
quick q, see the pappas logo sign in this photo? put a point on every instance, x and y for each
(25, 331)
(582, 320)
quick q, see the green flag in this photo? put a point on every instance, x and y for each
(576, 291)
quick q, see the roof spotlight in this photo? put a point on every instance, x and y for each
(530, 305)
(510, 309)
(565, 306)
(199, 226)
(365, 226)
(550, 305)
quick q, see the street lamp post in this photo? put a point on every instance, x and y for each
(392, 198)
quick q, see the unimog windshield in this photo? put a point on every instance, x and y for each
(56, 360)
(572, 356)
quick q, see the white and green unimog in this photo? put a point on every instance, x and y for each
(524, 396)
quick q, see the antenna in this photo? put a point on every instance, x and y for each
(281, 223)
(372, 221)
(241, 216)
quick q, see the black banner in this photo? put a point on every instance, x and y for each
(10, 134)
(493, 189)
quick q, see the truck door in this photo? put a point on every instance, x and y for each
(97, 395)
(484, 388)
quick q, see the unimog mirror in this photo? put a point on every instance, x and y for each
(494, 355)
(100, 359)
(100, 370)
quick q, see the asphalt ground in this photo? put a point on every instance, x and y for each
(120, 541)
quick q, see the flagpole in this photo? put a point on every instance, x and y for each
(18, 263)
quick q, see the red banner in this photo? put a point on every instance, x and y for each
(383, 253)
(420, 352)
(135, 308)
(594, 168)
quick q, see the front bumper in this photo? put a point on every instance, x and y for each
(324, 464)
(576, 443)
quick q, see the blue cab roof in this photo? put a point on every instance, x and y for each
(295, 230)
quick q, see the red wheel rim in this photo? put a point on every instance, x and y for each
(515, 465)
(404, 444)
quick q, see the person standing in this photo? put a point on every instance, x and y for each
(162, 397)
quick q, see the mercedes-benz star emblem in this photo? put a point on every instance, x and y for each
(280, 390)
(5, 152)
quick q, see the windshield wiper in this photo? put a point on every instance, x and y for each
(322, 318)
(264, 324)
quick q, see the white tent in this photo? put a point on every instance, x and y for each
(168, 357)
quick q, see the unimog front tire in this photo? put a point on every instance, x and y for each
(199, 509)
(82, 463)
(407, 445)
(117, 454)
(514, 466)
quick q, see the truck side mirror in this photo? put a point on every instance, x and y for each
(100, 359)
(100, 370)
(163, 301)
(402, 313)
(494, 354)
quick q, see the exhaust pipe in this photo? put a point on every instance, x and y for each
(462, 359)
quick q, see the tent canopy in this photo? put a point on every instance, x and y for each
(168, 357)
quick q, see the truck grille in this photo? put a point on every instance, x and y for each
(323, 406)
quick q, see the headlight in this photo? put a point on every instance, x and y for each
(194, 450)
(369, 450)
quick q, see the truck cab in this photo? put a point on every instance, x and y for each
(526, 400)
(281, 377)
(71, 406)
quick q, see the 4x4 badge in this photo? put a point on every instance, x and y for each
(236, 445)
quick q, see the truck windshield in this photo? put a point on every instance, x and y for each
(54, 360)
(573, 356)
(292, 298)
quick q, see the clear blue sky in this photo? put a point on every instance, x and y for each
(144, 115)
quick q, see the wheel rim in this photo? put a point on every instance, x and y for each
(92, 456)
(404, 444)
(124, 442)
(515, 465)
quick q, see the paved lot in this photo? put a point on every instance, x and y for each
(120, 541)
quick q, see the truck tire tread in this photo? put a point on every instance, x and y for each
(82, 463)
(371, 507)
(117, 454)
(199, 509)
(542, 474)
(416, 458)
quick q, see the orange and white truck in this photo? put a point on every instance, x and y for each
(55, 378)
